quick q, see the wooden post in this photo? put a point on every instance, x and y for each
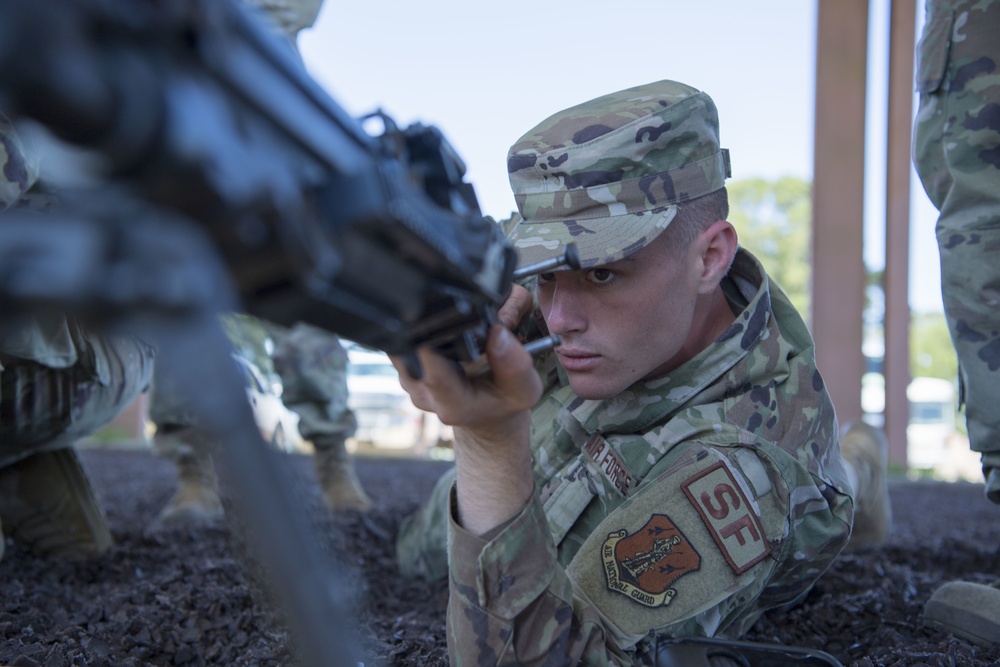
(838, 276)
(902, 29)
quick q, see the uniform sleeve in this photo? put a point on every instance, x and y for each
(511, 602)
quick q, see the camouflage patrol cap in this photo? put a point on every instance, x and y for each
(608, 174)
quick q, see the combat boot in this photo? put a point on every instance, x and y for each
(197, 499)
(866, 453)
(967, 610)
(48, 505)
(337, 479)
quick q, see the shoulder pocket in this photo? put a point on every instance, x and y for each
(932, 52)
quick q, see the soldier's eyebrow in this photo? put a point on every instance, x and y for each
(625, 260)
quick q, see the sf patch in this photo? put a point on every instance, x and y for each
(644, 564)
(728, 516)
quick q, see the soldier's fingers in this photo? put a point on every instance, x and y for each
(517, 306)
(513, 370)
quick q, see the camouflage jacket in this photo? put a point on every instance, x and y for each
(685, 506)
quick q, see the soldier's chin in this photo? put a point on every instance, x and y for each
(593, 387)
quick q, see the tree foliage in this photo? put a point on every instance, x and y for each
(250, 339)
(931, 351)
(772, 219)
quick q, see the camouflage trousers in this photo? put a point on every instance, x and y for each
(957, 155)
(44, 408)
(313, 369)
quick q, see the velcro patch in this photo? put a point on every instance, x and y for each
(642, 565)
(611, 466)
(728, 516)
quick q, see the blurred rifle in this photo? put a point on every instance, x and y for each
(198, 108)
(193, 110)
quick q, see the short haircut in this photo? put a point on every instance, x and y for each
(695, 216)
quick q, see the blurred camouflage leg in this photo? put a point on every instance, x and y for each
(48, 505)
(336, 476)
(196, 500)
(967, 610)
(865, 452)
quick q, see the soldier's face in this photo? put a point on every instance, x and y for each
(620, 323)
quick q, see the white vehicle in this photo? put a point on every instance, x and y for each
(278, 425)
(387, 418)
(932, 422)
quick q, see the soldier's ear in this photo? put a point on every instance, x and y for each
(717, 245)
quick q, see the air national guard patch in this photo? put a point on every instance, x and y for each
(727, 515)
(643, 565)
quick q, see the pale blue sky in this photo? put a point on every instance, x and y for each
(485, 73)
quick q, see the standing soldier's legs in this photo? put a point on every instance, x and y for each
(866, 453)
(313, 369)
(196, 500)
(179, 440)
(46, 501)
(957, 154)
(334, 467)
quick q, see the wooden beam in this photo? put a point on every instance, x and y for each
(838, 276)
(902, 29)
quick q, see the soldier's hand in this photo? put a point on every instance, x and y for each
(481, 405)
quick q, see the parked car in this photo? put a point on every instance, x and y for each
(278, 425)
(387, 418)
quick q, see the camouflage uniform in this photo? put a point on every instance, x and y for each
(58, 384)
(687, 504)
(313, 368)
(956, 150)
(957, 154)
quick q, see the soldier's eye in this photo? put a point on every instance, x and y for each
(601, 276)
(546, 277)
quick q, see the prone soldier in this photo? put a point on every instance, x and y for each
(682, 419)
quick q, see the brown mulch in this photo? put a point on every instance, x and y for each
(185, 597)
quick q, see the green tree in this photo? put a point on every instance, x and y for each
(772, 219)
(250, 340)
(931, 351)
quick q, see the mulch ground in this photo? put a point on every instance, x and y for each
(170, 596)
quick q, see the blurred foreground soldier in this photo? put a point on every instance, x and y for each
(58, 383)
(672, 469)
(957, 155)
